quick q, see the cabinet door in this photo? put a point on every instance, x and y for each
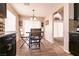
(76, 11)
(3, 10)
(74, 44)
(77, 47)
(71, 46)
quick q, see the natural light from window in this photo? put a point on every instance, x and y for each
(28, 24)
(10, 22)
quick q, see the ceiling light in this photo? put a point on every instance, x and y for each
(33, 16)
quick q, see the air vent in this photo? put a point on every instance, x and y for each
(27, 4)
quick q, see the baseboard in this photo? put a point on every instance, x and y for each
(67, 51)
(64, 49)
(49, 41)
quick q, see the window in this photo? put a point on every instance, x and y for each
(28, 24)
(10, 22)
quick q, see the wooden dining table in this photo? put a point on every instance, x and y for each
(26, 38)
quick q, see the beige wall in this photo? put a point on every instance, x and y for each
(66, 27)
(71, 10)
(9, 7)
(48, 33)
(49, 28)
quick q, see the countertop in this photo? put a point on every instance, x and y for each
(74, 32)
(6, 33)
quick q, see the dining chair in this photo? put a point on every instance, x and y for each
(25, 40)
(35, 38)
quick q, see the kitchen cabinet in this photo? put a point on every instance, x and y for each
(74, 43)
(3, 10)
(8, 45)
(76, 11)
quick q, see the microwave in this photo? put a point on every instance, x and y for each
(77, 29)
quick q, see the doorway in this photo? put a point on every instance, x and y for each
(58, 33)
(58, 27)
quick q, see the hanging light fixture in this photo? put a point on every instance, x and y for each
(33, 17)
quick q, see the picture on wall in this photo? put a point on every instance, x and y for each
(47, 22)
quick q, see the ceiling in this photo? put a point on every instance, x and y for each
(41, 9)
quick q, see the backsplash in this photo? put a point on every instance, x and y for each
(2, 26)
(72, 25)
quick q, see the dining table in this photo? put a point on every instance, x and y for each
(26, 38)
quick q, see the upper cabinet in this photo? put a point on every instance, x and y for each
(3, 10)
(76, 11)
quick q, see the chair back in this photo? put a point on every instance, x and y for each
(35, 32)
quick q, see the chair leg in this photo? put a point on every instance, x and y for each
(22, 45)
(29, 45)
(39, 44)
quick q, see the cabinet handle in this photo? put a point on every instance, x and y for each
(9, 47)
(9, 38)
(75, 35)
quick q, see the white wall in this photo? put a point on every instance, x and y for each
(10, 22)
(28, 24)
(58, 29)
(71, 10)
(66, 27)
(48, 33)
(49, 29)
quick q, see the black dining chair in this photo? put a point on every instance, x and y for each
(25, 40)
(35, 38)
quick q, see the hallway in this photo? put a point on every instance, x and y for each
(47, 49)
(59, 41)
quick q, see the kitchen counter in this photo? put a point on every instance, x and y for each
(6, 33)
(8, 44)
(74, 32)
(74, 43)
